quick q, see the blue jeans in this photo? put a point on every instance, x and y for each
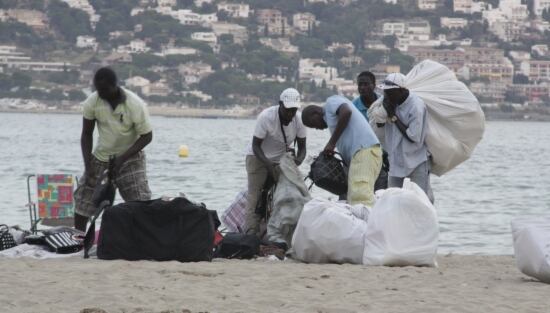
(420, 176)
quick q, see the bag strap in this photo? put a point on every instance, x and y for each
(4, 231)
(283, 131)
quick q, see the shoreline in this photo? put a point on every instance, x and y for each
(223, 114)
(461, 283)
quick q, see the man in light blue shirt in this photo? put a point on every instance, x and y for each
(405, 134)
(355, 140)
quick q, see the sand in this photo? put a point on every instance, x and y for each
(460, 284)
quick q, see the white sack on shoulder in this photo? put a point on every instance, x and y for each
(455, 119)
(532, 246)
(402, 229)
(329, 232)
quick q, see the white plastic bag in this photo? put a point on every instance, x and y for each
(532, 246)
(402, 229)
(329, 232)
(289, 198)
(455, 119)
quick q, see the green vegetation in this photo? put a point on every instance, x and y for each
(67, 21)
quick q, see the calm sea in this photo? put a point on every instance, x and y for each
(508, 175)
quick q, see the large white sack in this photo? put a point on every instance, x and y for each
(289, 198)
(455, 119)
(329, 232)
(532, 246)
(402, 229)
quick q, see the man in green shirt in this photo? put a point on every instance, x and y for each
(124, 130)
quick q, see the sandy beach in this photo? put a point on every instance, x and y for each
(460, 284)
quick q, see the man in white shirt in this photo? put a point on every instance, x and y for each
(277, 127)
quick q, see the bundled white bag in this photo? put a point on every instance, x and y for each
(455, 119)
(402, 229)
(329, 232)
(289, 198)
(532, 246)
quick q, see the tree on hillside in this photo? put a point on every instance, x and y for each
(67, 21)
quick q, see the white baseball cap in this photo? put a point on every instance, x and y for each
(393, 80)
(290, 98)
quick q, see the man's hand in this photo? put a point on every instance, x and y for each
(329, 148)
(272, 170)
(389, 107)
(118, 162)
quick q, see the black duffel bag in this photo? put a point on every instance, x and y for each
(238, 246)
(328, 172)
(158, 230)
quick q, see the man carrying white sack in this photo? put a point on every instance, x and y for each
(405, 115)
(276, 129)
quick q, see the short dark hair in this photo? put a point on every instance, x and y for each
(368, 75)
(106, 75)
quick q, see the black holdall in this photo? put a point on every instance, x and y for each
(328, 172)
(160, 230)
(238, 246)
(6, 239)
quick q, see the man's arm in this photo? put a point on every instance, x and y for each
(344, 115)
(87, 142)
(141, 143)
(301, 150)
(402, 128)
(259, 153)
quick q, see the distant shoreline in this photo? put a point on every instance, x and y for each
(155, 111)
(224, 114)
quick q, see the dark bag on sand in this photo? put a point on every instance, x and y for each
(6, 239)
(238, 246)
(327, 172)
(158, 230)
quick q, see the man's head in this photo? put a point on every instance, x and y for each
(394, 88)
(366, 82)
(105, 82)
(289, 103)
(312, 117)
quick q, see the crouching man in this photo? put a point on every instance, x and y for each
(356, 142)
(124, 130)
(277, 128)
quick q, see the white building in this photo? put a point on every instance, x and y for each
(86, 42)
(208, 37)
(394, 28)
(470, 6)
(303, 22)
(428, 4)
(316, 70)
(236, 10)
(539, 6)
(453, 22)
(177, 51)
(138, 46)
(137, 83)
(187, 17)
(239, 32)
(282, 45)
(541, 50)
(167, 3)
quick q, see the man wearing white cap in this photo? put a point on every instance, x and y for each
(405, 134)
(277, 127)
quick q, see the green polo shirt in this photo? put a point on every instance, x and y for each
(119, 129)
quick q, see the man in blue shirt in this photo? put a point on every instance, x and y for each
(366, 82)
(405, 134)
(355, 140)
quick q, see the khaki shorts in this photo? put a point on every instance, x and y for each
(131, 182)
